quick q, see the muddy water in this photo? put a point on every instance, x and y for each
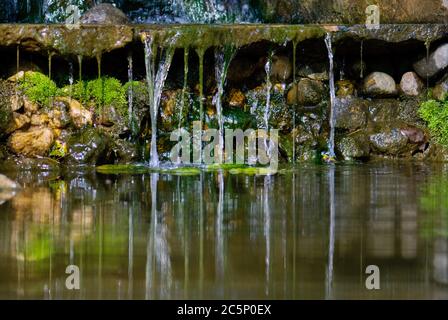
(309, 232)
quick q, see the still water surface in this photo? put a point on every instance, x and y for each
(309, 232)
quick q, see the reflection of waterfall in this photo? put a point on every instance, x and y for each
(155, 81)
(158, 261)
(267, 231)
(219, 227)
(329, 274)
(332, 96)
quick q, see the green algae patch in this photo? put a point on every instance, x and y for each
(123, 169)
(224, 166)
(183, 171)
(250, 171)
(142, 169)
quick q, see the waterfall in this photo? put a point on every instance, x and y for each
(155, 82)
(331, 153)
(223, 58)
(267, 69)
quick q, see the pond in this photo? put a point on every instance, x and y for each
(308, 232)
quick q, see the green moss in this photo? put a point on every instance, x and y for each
(38, 87)
(105, 91)
(435, 113)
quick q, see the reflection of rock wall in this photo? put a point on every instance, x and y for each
(353, 12)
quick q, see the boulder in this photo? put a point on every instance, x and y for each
(438, 60)
(350, 113)
(87, 147)
(80, 116)
(411, 84)
(345, 88)
(281, 68)
(34, 142)
(306, 92)
(236, 98)
(398, 140)
(18, 121)
(378, 84)
(355, 146)
(440, 91)
(104, 13)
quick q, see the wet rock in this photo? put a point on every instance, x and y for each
(125, 151)
(394, 142)
(306, 92)
(30, 106)
(280, 114)
(171, 107)
(109, 117)
(40, 119)
(236, 118)
(281, 68)
(59, 116)
(6, 92)
(383, 110)
(440, 91)
(408, 111)
(415, 135)
(316, 71)
(236, 98)
(379, 84)
(354, 146)
(16, 102)
(104, 13)
(18, 121)
(345, 88)
(244, 69)
(34, 142)
(80, 116)
(351, 113)
(87, 147)
(411, 84)
(17, 76)
(438, 60)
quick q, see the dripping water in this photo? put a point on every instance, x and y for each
(155, 82)
(130, 91)
(428, 47)
(361, 75)
(223, 57)
(80, 68)
(332, 96)
(200, 53)
(70, 79)
(50, 57)
(294, 84)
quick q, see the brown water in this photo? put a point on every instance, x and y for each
(309, 232)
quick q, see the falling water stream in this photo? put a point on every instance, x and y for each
(328, 42)
(223, 57)
(155, 81)
(130, 90)
(267, 68)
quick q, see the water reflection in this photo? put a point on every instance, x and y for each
(309, 232)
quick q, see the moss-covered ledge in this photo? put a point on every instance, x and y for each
(94, 40)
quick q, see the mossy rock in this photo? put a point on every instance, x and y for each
(143, 169)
